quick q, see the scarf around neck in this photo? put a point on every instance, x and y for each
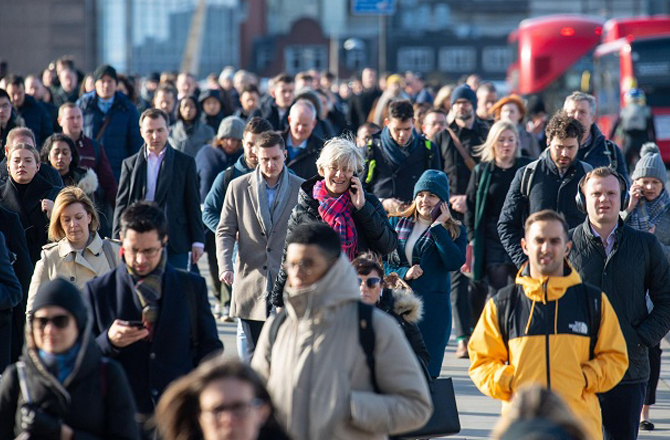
(394, 152)
(336, 211)
(424, 243)
(149, 289)
(646, 214)
(267, 214)
(60, 364)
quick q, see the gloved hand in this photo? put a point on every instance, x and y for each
(40, 424)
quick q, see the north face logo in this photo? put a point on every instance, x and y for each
(579, 327)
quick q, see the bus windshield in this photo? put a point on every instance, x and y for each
(651, 68)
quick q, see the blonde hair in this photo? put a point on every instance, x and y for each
(486, 151)
(341, 151)
(443, 95)
(68, 196)
(22, 146)
(452, 225)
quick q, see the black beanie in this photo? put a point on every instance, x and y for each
(464, 92)
(62, 293)
(103, 70)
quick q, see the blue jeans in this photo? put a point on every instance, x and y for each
(180, 261)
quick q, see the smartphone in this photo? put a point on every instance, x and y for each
(436, 212)
(137, 324)
(353, 189)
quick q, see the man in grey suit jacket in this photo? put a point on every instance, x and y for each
(159, 173)
(255, 214)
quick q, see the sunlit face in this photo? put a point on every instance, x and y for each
(211, 106)
(72, 121)
(142, 251)
(249, 101)
(283, 94)
(68, 80)
(229, 410)
(370, 295)
(105, 87)
(305, 264)
(510, 112)
(603, 199)
(164, 101)
(401, 131)
(5, 110)
(434, 123)
(301, 123)
(249, 145)
(271, 160)
(34, 87)
(369, 78)
(337, 178)
(463, 109)
(154, 132)
(486, 99)
(23, 166)
(364, 136)
(505, 146)
(47, 333)
(185, 84)
(60, 157)
(581, 111)
(563, 152)
(187, 109)
(651, 187)
(17, 93)
(89, 84)
(75, 221)
(546, 245)
(425, 202)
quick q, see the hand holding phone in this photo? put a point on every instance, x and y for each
(136, 324)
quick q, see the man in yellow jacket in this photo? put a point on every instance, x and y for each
(549, 328)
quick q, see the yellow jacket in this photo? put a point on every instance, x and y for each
(549, 343)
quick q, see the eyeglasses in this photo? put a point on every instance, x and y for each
(305, 266)
(237, 410)
(58, 321)
(370, 282)
(148, 253)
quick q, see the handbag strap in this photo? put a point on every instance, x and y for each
(23, 382)
(109, 254)
(105, 123)
(469, 161)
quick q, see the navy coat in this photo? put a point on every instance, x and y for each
(37, 118)
(151, 366)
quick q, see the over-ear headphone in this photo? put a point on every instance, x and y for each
(580, 199)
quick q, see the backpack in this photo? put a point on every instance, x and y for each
(529, 172)
(366, 337)
(372, 161)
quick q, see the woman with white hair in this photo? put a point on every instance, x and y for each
(336, 197)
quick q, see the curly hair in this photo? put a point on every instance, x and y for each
(563, 126)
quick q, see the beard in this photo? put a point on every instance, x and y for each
(465, 116)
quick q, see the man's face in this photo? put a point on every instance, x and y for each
(249, 145)
(463, 110)
(563, 151)
(142, 250)
(546, 246)
(249, 101)
(185, 85)
(34, 87)
(434, 123)
(164, 101)
(305, 264)
(155, 133)
(364, 136)
(485, 100)
(581, 111)
(401, 131)
(17, 93)
(68, 80)
(301, 123)
(271, 160)
(369, 78)
(283, 94)
(5, 110)
(105, 87)
(72, 122)
(603, 199)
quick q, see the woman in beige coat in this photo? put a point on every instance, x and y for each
(78, 254)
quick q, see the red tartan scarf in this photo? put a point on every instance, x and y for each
(336, 211)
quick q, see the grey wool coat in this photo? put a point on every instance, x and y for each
(259, 251)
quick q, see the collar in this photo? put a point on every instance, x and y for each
(94, 246)
(555, 286)
(148, 153)
(595, 233)
(302, 145)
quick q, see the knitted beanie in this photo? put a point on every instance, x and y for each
(103, 70)
(433, 181)
(464, 92)
(231, 127)
(650, 164)
(62, 293)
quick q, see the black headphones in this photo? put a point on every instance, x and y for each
(580, 199)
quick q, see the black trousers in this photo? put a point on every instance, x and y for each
(252, 331)
(654, 374)
(498, 275)
(460, 304)
(621, 407)
(210, 248)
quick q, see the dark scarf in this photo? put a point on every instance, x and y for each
(646, 214)
(60, 365)
(149, 290)
(422, 245)
(336, 211)
(395, 153)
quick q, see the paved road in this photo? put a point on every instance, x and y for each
(478, 413)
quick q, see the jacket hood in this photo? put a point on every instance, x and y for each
(89, 183)
(241, 165)
(556, 286)
(407, 305)
(336, 287)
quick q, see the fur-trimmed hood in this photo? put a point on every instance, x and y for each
(89, 182)
(405, 304)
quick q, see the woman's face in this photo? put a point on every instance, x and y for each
(425, 202)
(505, 146)
(337, 178)
(60, 157)
(187, 109)
(23, 166)
(211, 106)
(371, 287)
(230, 411)
(54, 329)
(651, 187)
(510, 112)
(75, 221)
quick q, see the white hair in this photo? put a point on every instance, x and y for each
(302, 104)
(341, 151)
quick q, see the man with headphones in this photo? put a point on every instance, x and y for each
(626, 264)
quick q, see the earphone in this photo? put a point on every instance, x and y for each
(580, 198)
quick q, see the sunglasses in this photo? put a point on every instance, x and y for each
(370, 282)
(59, 321)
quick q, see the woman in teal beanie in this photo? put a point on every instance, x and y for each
(430, 245)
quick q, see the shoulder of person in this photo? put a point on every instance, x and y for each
(407, 305)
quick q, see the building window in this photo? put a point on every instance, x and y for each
(301, 58)
(458, 59)
(496, 58)
(420, 59)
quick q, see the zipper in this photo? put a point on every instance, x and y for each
(546, 336)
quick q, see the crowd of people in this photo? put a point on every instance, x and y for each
(349, 227)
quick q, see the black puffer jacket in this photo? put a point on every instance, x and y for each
(547, 190)
(375, 233)
(95, 399)
(635, 265)
(597, 154)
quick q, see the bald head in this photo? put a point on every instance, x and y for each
(301, 120)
